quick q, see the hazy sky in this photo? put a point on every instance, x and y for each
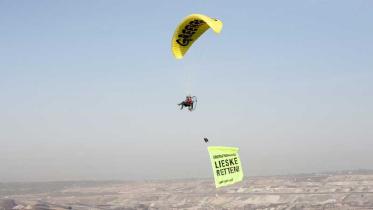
(89, 89)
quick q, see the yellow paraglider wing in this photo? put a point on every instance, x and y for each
(189, 30)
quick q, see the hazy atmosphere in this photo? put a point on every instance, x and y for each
(89, 89)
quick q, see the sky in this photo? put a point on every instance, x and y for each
(89, 89)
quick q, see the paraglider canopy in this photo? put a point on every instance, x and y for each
(189, 30)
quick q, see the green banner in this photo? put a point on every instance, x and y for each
(226, 165)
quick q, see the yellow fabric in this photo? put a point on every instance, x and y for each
(189, 30)
(226, 165)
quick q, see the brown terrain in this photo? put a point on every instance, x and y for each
(343, 190)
